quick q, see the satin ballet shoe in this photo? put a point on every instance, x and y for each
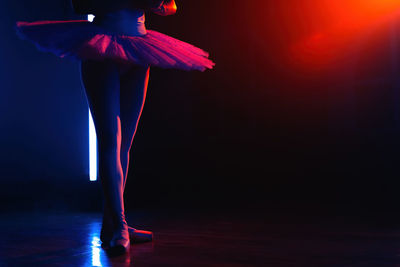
(139, 236)
(116, 247)
(119, 244)
(119, 248)
(135, 236)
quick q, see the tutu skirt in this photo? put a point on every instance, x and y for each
(81, 39)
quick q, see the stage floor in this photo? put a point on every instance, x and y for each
(182, 239)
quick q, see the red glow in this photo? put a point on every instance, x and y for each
(334, 25)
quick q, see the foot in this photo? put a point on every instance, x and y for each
(119, 243)
(116, 247)
(139, 236)
(119, 246)
(135, 235)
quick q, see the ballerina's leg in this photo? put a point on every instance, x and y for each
(133, 81)
(101, 83)
(133, 89)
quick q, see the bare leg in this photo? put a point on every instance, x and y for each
(102, 88)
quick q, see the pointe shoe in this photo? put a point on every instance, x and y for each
(117, 247)
(119, 244)
(114, 232)
(135, 236)
(139, 236)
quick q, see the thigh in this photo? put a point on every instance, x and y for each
(133, 89)
(101, 83)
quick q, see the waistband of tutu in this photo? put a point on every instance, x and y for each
(125, 21)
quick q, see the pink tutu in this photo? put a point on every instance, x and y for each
(81, 39)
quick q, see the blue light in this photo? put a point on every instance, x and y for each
(92, 150)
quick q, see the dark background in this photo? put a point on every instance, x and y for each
(260, 132)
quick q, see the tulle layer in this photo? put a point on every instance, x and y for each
(81, 39)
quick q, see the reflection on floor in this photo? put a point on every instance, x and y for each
(49, 239)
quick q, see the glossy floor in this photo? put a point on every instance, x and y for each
(48, 239)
